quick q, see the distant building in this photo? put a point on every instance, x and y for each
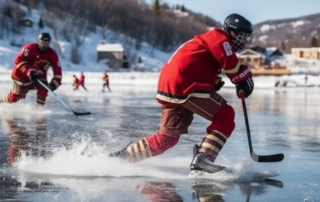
(252, 58)
(25, 23)
(261, 60)
(309, 53)
(272, 52)
(112, 52)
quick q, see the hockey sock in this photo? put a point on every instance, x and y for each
(151, 146)
(212, 144)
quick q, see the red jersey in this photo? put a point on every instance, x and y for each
(75, 80)
(193, 68)
(105, 76)
(81, 79)
(30, 57)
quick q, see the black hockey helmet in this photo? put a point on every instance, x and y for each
(44, 40)
(240, 31)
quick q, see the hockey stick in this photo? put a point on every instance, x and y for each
(74, 112)
(254, 156)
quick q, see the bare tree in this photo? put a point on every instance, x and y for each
(73, 20)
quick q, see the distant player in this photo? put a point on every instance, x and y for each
(81, 81)
(188, 85)
(75, 83)
(105, 78)
(31, 64)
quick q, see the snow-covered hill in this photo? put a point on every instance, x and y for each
(152, 60)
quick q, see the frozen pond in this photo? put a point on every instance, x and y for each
(65, 158)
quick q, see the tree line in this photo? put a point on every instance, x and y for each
(135, 21)
(159, 27)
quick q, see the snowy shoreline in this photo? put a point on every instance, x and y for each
(151, 78)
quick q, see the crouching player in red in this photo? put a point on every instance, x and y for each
(188, 84)
(31, 64)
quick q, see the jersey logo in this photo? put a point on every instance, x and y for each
(227, 48)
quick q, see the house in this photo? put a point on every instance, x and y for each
(25, 23)
(310, 53)
(112, 52)
(261, 60)
(252, 58)
(273, 52)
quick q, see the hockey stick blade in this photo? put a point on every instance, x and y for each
(81, 113)
(64, 104)
(268, 158)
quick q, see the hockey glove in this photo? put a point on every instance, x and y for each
(33, 75)
(245, 86)
(219, 84)
(243, 81)
(53, 85)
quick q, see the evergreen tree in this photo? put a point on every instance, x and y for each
(283, 46)
(165, 6)
(313, 42)
(7, 11)
(40, 23)
(156, 8)
(183, 9)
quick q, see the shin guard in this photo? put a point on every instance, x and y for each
(151, 146)
(138, 151)
(212, 144)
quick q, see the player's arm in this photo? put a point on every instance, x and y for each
(57, 72)
(240, 75)
(22, 63)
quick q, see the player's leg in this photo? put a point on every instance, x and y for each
(103, 86)
(42, 94)
(174, 122)
(107, 83)
(18, 92)
(84, 87)
(76, 87)
(222, 116)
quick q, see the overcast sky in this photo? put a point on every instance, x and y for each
(255, 11)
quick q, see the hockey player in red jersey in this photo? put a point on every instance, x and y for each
(31, 64)
(105, 78)
(75, 83)
(188, 84)
(81, 82)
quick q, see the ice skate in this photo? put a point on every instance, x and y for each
(122, 154)
(203, 162)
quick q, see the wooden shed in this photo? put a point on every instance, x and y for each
(109, 51)
(112, 52)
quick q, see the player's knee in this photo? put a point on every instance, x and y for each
(224, 121)
(227, 112)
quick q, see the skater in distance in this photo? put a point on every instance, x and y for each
(188, 85)
(105, 78)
